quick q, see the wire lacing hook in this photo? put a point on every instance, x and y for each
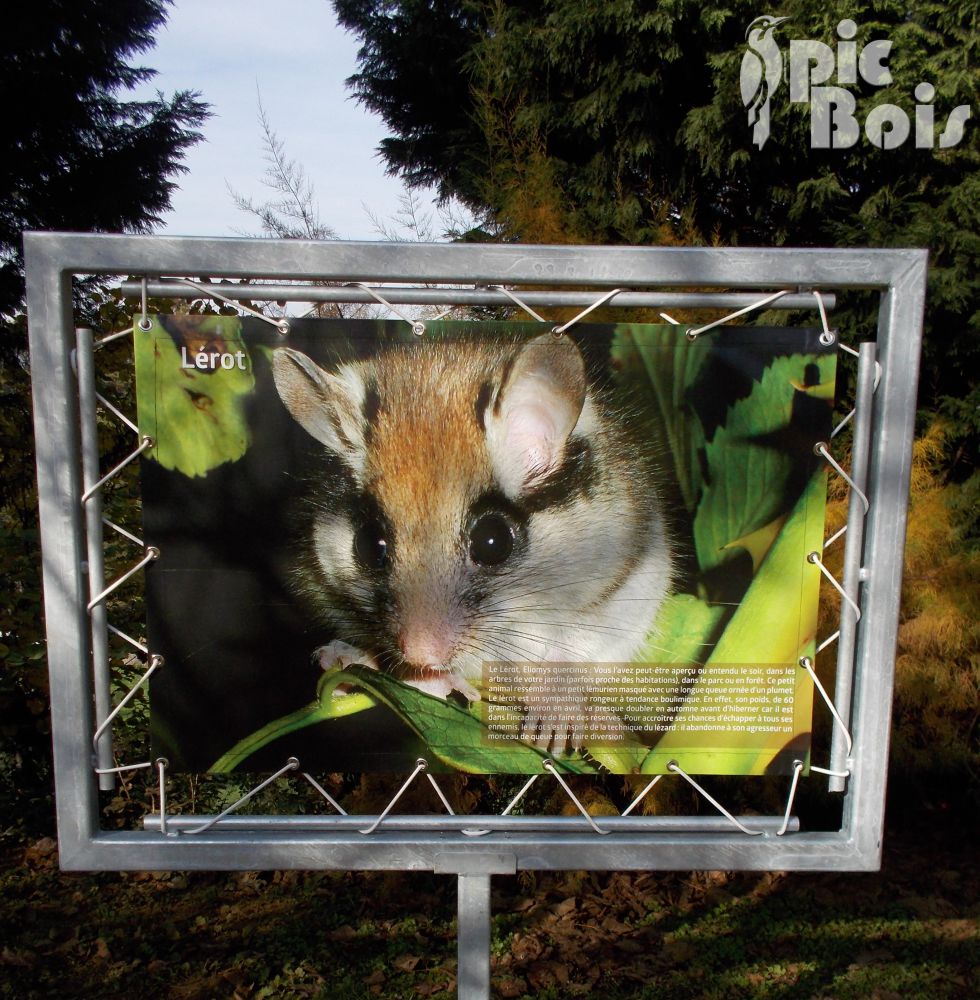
(697, 331)
(418, 327)
(559, 330)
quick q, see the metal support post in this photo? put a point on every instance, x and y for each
(853, 556)
(473, 937)
(85, 365)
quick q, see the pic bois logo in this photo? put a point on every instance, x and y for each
(822, 76)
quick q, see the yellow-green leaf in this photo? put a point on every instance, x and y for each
(195, 417)
(766, 629)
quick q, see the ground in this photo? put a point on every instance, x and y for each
(908, 932)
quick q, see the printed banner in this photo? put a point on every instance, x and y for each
(487, 546)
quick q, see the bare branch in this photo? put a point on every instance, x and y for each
(296, 214)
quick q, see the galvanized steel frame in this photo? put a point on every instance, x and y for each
(53, 259)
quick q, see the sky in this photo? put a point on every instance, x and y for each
(295, 55)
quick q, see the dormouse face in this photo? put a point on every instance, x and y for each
(470, 523)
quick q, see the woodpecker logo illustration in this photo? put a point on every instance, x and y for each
(761, 73)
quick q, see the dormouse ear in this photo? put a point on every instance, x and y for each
(328, 406)
(535, 411)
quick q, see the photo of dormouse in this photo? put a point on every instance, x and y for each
(487, 546)
(489, 506)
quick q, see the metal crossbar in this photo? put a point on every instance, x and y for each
(478, 294)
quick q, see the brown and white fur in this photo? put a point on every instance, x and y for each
(436, 442)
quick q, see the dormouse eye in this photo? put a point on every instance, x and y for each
(370, 545)
(491, 539)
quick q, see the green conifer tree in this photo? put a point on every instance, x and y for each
(623, 122)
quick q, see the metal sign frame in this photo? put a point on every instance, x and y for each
(642, 276)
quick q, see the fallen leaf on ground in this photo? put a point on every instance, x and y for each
(510, 988)
(526, 948)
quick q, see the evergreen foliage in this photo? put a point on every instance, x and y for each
(411, 75)
(77, 156)
(622, 122)
(937, 683)
(935, 756)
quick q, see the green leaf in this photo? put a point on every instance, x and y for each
(683, 631)
(195, 418)
(757, 543)
(682, 637)
(791, 628)
(327, 706)
(624, 759)
(749, 472)
(454, 735)
(646, 357)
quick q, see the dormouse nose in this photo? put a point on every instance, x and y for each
(427, 644)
